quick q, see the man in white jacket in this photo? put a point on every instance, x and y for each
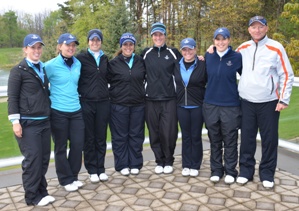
(265, 88)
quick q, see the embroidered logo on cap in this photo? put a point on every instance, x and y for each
(34, 37)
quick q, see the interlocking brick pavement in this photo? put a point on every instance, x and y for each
(148, 191)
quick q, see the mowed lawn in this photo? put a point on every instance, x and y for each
(289, 123)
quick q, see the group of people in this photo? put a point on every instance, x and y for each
(75, 97)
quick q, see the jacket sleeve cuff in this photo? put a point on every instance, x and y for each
(14, 117)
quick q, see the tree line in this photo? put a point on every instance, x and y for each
(183, 18)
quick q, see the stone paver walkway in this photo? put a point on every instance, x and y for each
(148, 191)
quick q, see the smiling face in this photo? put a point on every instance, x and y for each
(95, 44)
(188, 54)
(127, 49)
(257, 31)
(159, 39)
(68, 50)
(221, 43)
(34, 52)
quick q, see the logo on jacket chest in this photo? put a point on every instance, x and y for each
(166, 57)
(229, 63)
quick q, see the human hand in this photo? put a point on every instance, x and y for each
(210, 49)
(17, 129)
(280, 106)
(201, 58)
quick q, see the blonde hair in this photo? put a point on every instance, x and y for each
(58, 51)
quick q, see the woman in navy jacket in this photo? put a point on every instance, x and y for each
(190, 78)
(221, 107)
(126, 75)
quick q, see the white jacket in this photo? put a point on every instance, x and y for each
(267, 74)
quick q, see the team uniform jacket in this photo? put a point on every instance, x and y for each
(28, 95)
(265, 81)
(160, 65)
(193, 93)
(222, 82)
(126, 84)
(93, 83)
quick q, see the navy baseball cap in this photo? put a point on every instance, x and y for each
(127, 37)
(188, 43)
(222, 31)
(259, 19)
(32, 39)
(67, 38)
(95, 33)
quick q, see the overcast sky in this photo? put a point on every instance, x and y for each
(29, 6)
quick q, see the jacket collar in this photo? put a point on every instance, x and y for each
(160, 48)
(262, 41)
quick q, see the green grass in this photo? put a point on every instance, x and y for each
(9, 145)
(289, 118)
(10, 57)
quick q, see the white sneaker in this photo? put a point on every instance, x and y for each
(43, 202)
(94, 178)
(71, 187)
(193, 172)
(78, 183)
(214, 179)
(103, 177)
(125, 172)
(51, 199)
(168, 169)
(135, 171)
(229, 179)
(242, 180)
(159, 169)
(186, 172)
(268, 184)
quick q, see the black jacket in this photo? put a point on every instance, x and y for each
(27, 94)
(126, 85)
(160, 64)
(193, 94)
(93, 85)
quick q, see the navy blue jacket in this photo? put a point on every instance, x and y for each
(222, 89)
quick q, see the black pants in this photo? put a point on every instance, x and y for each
(191, 122)
(96, 117)
(260, 116)
(223, 124)
(127, 130)
(35, 146)
(67, 126)
(162, 123)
